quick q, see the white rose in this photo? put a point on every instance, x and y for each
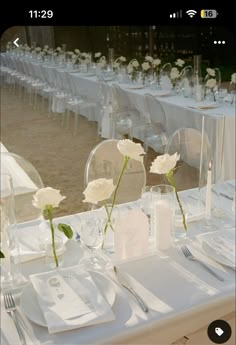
(77, 51)
(156, 62)
(58, 49)
(101, 64)
(122, 58)
(148, 58)
(135, 63)
(74, 56)
(98, 190)
(130, 149)
(69, 53)
(174, 74)
(164, 163)
(211, 83)
(211, 72)
(116, 65)
(38, 49)
(97, 55)
(233, 78)
(47, 196)
(46, 47)
(179, 62)
(145, 66)
(130, 69)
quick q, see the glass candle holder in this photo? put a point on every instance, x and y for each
(163, 211)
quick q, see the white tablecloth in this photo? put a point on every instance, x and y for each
(187, 297)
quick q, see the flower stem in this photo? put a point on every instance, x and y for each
(170, 178)
(50, 217)
(125, 162)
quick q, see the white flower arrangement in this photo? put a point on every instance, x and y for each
(103, 189)
(146, 66)
(211, 72)
(165, 164)
(149, 58)
(174, 75)
(233, 78)
(119, 61)
(179, 63)
(132, 68)
(211, 83)
(46, 199)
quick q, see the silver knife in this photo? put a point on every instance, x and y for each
(123, 281)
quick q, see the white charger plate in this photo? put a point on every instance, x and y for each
(30, 306)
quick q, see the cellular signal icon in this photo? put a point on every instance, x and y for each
(191, 13)
(176, 14)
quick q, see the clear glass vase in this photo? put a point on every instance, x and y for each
(59, 249)
(11, 276)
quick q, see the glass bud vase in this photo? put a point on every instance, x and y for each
(59, 249)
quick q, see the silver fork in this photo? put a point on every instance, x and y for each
(190, 257)
(10, 307)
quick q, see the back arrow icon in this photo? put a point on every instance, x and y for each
(15, 42)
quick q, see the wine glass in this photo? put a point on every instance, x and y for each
(91, 239)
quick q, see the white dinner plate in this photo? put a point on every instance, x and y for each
(30, 306)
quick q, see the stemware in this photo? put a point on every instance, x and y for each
(91, 239)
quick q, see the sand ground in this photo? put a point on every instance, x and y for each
(57, 154)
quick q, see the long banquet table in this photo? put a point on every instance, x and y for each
(181, 295)
(177, 108)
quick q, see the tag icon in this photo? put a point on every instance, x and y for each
(219, 331)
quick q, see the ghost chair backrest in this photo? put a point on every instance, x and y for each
(105, 161)
(187, 142)
(26, 181)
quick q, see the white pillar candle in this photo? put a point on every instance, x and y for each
(208, 192)
(163, 223)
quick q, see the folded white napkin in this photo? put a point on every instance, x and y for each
(220, 245)
(32, 239)
(69, 299)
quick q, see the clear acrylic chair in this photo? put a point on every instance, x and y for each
(26, 181)
(155, 129)
(188, 143)
(105, 161)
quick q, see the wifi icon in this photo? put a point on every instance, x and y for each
(191, 13)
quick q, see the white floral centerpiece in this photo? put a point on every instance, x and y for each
(146, 66)
(174, 76)
(103, 189)
(119, 62)
(156, 66)
(97, 56)
(233, 79)
(47, 199)
(166, 164)
(133, 68)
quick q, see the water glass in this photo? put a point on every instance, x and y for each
(221, 95)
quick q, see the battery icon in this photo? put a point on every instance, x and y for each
(209, 14)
